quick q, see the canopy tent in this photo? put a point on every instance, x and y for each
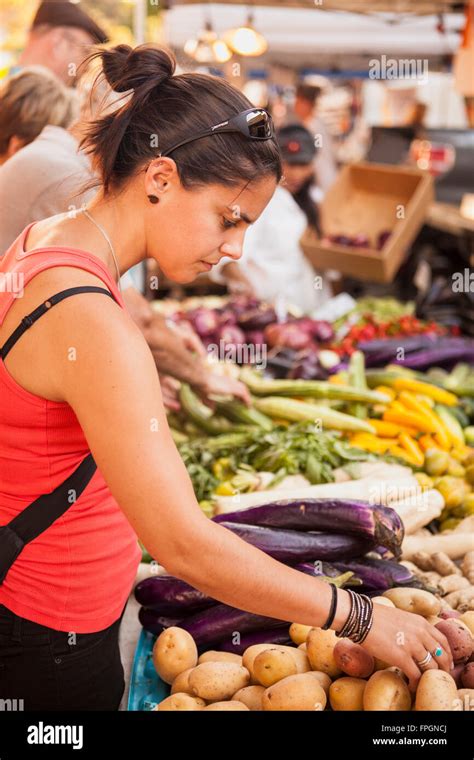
(310, 37)
(353, 6)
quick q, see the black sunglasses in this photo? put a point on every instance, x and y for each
(254, 123)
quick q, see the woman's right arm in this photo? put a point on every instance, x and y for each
(113, 387)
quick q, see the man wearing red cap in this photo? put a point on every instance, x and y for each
(59, 39)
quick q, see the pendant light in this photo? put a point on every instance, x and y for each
(207, 47)
(245, 40)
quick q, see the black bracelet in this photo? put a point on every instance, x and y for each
(332, 609)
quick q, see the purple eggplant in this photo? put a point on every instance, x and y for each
(377, 573)
(171, 596)
(439, 355)
(291, 546)
(155, 623)
(374, 523)
(221, 622)
(272, 636)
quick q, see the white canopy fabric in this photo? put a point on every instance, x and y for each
(304, 37)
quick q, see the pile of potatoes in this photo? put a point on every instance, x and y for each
(320, 672)
(452, 581)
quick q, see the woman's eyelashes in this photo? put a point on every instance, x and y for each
(227, 223)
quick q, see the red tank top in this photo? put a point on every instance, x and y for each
(77, 575)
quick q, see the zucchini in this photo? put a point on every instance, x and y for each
(236, 411)
(315, 388)
(200, 414)
(295, 411)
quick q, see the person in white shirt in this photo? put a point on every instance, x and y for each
(273, 266)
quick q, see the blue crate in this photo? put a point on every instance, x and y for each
(146, 687)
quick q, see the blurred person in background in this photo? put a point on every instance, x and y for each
(50, 175)
(60, 37)
(29, 101)
(305, 111)
(273, 266)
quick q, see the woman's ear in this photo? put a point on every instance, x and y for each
(160, 175)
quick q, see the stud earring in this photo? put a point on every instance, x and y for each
(153, 199)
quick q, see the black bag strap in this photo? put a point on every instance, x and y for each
(27, 321)
(41, 513)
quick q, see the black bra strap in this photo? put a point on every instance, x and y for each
(27, 321)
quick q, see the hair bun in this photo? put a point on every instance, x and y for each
(144, 67)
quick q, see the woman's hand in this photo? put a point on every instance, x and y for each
(402, 638)
(169, 391)
(222, 385)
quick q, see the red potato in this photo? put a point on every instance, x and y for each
(459, 639)
(456, 673)
(353, 659)
(449, 614)
(467, 676)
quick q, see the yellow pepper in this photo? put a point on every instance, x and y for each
(427, 442)
(442, 437)
(390, 429)
(225, 489)
(410, 445)
(397, 451)
(370, 442)
(418, 386)
(410, 419)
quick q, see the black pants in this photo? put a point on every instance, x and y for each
(45, 669)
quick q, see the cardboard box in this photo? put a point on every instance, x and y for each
(369, 199)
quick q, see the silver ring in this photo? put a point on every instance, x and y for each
(425, 661)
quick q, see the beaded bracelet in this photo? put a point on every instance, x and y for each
(360, 618)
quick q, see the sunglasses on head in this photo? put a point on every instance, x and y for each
(254, 123)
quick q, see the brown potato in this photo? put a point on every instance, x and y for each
(323, 679)
(250, 696)
(383, 600)
(468, 619)
(299, 633)
(414, 600)
(353, 659)
(299, 692)
(272, 665)
(300, 657)
(302, 647)
(181, 683)
(436, 690)
(180, 702)
(174, 651)
(230, 705)
(213, 656)
(385, 690)
(216, 681)
(459, 638)
(320, 650)
(347, 694)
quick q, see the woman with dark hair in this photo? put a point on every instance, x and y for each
(186, 165)
(273, 266)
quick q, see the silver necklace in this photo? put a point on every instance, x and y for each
(101, 229)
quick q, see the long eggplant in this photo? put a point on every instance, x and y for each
(272, 636)
(438, 355)
(220, 622)
(171, 596)
(375, 523)
(291, 546)
(377, 573)
(155, 623)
